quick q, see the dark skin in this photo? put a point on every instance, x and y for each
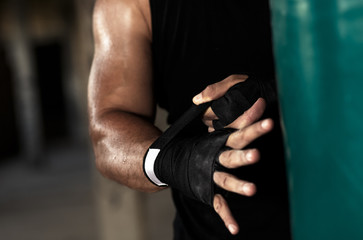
(122, 106)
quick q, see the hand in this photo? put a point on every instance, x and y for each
(236, 157)
(213, 92)
(248, 131)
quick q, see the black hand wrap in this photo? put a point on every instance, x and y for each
(186, 163)
(239, 98)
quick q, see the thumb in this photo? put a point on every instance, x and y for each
(218, 89)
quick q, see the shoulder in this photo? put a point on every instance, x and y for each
(121, 74)
(113, 18)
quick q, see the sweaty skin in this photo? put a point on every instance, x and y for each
(121, 105)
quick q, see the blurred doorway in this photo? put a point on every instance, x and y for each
(9, 142)
(49, 73)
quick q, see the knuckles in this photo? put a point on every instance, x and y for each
(210, 91)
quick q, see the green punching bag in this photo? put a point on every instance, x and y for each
(318, 47)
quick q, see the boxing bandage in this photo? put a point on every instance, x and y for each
(166, 138)
(239, 98)
(188, 163)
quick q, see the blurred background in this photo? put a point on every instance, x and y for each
(49, 187)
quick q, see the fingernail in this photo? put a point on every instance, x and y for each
(197, 99)
(249, 156)
(265, 124)
(247, 188)
(232, 228)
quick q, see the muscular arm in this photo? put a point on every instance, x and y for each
(120, 98)
(122, 108)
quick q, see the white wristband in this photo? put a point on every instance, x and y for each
(149, 162)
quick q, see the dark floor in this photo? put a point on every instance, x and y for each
(50, 202)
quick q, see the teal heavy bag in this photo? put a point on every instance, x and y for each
(318, 47)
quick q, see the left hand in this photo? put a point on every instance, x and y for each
(243, 123)
(238, 156)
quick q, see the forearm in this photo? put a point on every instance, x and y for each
(120, 140)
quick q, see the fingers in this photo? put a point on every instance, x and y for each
(250, 116)
(217, 90)
(209, 114)
(245, 136)
(238, 158)
(221, 207)
(208, 118)
(233, 184)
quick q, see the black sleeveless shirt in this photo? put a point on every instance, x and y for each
(199, 42)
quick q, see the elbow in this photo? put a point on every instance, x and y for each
(100, 164)
(96, 137)
(103, 163)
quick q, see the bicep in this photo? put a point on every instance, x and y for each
(121, 74)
